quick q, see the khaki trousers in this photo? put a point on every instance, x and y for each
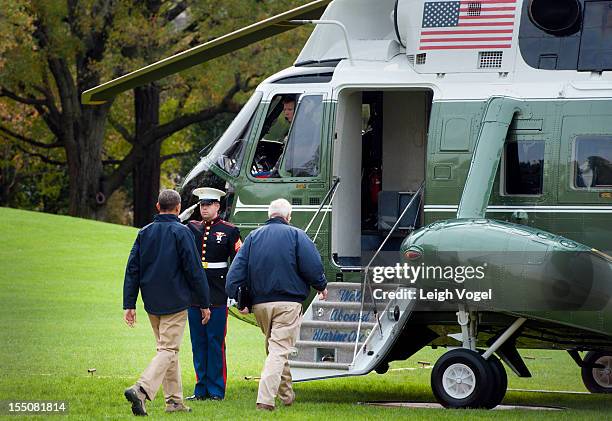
(164, 369)
(280, 322)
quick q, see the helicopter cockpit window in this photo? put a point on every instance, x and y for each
(274, 136)
(303, 148)
(228, 153)
(524, 168)
(593, 162)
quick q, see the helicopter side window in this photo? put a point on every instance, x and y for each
(303, 149)
(228, 152)
(274, 136)
(593, 162)
(524, 168)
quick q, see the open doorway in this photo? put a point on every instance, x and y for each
(380, 157)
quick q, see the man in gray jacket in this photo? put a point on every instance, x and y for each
(279, 263)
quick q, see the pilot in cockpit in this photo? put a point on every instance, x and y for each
(274, 140)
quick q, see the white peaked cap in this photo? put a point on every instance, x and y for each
(208, 194)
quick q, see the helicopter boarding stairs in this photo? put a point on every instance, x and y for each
(350, 333)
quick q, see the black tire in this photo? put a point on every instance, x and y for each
(473, 390)
(499, 382)
(598, 380)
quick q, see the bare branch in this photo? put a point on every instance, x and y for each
(247, 83)
(183, 100)
(32, 142)
(43, 158)
(165, 130)
(49, 97)
(116, 179)
(227, 105)
(168, 157)
(28, 101)
(66, 86)
(45, 106)
(111, 161)
(121, 130)
(72, 18)
(175, 11)
(53, 122)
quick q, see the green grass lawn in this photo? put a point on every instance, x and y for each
(60, 306)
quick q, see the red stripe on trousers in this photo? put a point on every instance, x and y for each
(223, 349)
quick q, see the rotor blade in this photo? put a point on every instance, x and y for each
(207, 51)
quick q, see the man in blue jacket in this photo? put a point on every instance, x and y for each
(280, 264)
(164, 265)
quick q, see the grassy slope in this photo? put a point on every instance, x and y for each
(60, 307)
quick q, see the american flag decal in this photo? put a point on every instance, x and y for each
(467, 25)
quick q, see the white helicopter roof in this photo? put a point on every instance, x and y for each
(460, 49)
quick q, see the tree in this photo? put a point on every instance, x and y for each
(57, 64)
(57, 50)
(202, 18)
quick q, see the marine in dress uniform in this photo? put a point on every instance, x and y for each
(217, 241)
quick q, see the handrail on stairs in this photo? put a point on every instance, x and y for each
(332, 191)
(366, 282)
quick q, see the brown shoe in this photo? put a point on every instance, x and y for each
(265, 407)
(137, 398)
(172, 406)
(289, 402)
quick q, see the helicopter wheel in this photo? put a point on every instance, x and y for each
(461, 378)
(598, 380)
(499, 382)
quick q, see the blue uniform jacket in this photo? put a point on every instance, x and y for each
(279, 263)
(165, 265)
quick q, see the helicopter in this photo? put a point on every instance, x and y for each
(444, 134)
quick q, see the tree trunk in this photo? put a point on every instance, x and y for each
(147, 166)
(83, 153)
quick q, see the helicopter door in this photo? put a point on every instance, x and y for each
(380, 158)
(286, 159)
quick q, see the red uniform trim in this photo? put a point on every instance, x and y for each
(229, 224)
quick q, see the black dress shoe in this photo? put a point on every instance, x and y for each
(215, 398)
(195, 398)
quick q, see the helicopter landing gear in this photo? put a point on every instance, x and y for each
(463, 378)
(499, 382)
(599, 379)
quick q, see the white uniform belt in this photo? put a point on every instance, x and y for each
(214, 265)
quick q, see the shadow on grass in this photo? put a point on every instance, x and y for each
(366, 389)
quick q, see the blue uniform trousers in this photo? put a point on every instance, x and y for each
(208, 346)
